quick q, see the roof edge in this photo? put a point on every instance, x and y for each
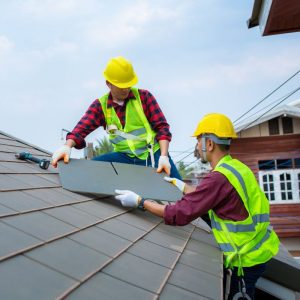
(253, 21)
(26, 143)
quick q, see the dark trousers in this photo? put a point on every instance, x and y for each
(125, 159)
(251, 275)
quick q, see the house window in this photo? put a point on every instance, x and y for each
(286, 186)
(266, 164)
(284, 164)
(287, 125)
(297, 163)
(268, 186)
(273, 126)
(281, 187)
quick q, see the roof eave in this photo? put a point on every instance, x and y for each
(253, 21)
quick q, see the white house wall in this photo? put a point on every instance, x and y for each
(263, 129)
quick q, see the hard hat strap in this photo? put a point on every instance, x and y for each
(217, 140)
(203, 149)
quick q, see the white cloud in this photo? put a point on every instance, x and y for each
(61, 48)
(92, 84)
(5, 45)
(128, 24)
(64, 8)
(252, 67)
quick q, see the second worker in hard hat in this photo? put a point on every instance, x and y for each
(237, 207)
(137, 127)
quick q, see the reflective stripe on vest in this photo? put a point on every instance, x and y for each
(260, 218)
(238, 176)
(136, 132)
(226, 247)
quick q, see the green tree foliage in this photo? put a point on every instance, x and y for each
(184, 170)
(104, 146)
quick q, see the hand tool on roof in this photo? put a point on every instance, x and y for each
(43, 163)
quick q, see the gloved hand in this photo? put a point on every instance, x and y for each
(128, 198)
(177, 182)
(164, 164)
(63, 152)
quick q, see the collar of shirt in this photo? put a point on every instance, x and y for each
(111, 103)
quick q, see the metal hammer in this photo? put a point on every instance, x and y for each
(43, 163)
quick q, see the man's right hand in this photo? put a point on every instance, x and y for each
(63, 152)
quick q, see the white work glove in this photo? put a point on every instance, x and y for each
(63, 152)
(164, 164)
(128, 198)
(177, 182)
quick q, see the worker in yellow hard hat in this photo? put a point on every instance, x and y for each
(238, 209)
(137, 127)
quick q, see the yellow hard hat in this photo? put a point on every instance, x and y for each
(217, 124)
(119, 72)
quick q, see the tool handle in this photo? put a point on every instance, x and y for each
(43, 163)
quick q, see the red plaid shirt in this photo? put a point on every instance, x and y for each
(94, 118)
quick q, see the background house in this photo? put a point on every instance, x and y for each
(270, 146)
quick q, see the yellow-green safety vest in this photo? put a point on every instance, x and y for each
(251, 241)
(136, 124)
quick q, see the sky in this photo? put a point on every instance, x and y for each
(194, 56)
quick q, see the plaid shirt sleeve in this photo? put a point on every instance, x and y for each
(155, 116)
(92, 119)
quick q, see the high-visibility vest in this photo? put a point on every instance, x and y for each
(137, 135)
(251, 241)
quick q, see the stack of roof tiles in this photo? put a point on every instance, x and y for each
(55, 244)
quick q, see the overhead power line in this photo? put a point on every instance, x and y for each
(290, 94)
(262, 109)
(267, 96)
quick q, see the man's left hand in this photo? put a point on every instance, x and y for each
(128, 198)
(164, 164)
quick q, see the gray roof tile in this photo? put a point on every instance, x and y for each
(69, 257)
(13, 240)
(72, 216)
(20, 201)
(8, 182)
(196, 281)
(139, 219)
(103, 286)
(101, 240)
(170, 241)
(122, 229)
(39, 225)
(4, 211)
(148, 275)
(155, 253)
(23, 278)
(175, 293)
(51, 196)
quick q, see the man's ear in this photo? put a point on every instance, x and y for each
(210, 145)
(108, 83)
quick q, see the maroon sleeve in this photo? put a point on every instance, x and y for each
(214, 192)
(92, 119)
(155, 116)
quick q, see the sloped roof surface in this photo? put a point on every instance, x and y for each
(55, 244)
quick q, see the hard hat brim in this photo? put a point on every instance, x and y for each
(123, 85)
